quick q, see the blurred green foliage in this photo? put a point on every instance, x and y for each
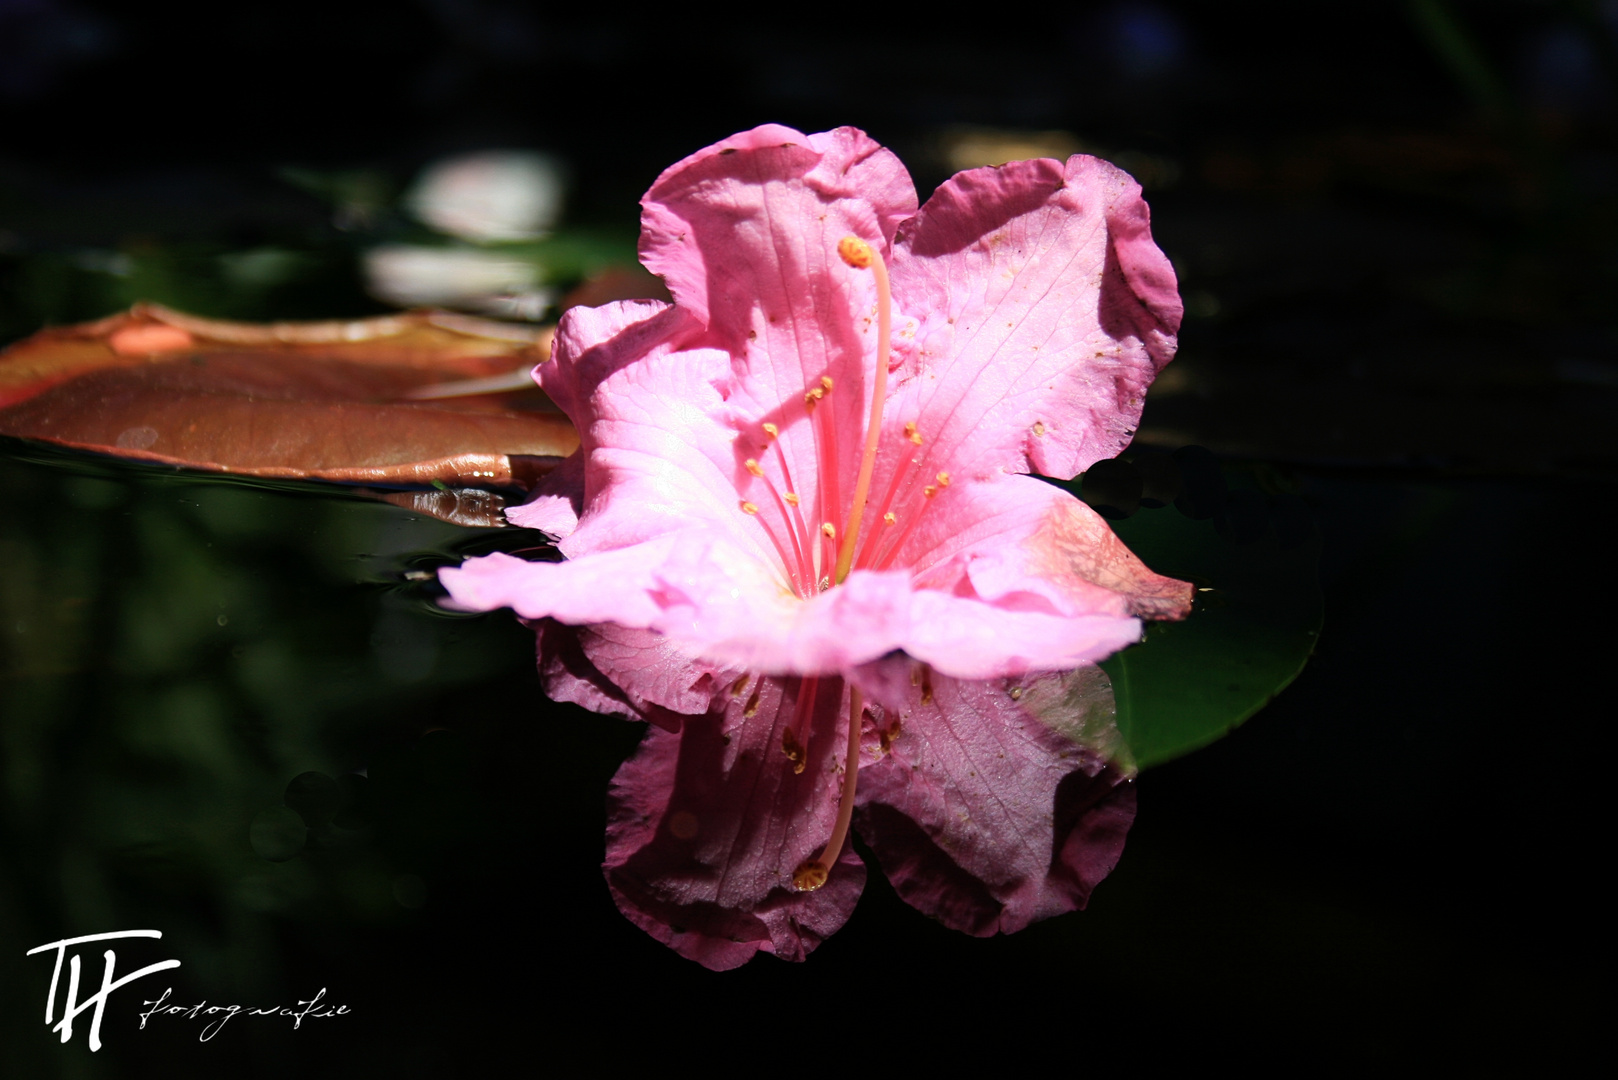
(225, 707)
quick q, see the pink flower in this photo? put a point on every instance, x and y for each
(802, 496)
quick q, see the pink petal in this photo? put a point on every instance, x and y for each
(867, 616)
(1017, 538)
(706, 828)
(630, 673)
(1032, 580)
(556, 502)
(751, 225)
(657, 454)
(615, 586)
(653, 671)
(1075, 550)
(592, 343)
(746, 234)
(966, 638)
(1045, 311)
(984, 815)
(567, 674)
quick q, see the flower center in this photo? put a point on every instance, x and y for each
(818, 551)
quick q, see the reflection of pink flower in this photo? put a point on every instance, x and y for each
(799, 491)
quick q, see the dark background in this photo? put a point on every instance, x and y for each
(1395, 227)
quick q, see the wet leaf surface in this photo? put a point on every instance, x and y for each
(336, 401)
(1258, 614)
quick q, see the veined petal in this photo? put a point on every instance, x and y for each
(745, 233)
(653, 670)
(987, 813)
(867, 616)
(969, 638)
(556, 502)
(753, 222)
(657, 455)
(1019, 535)
(1045, 311)
(615, 586)
(593, 343)
(692, 586)
(567, 674)
(706, 828)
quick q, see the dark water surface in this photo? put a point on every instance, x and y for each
(233, 713)
(230, 711)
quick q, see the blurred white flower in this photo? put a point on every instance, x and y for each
(456, 277)
(491, 195)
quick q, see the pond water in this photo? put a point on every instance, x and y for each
(233, 712)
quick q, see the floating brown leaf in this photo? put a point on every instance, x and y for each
(402, 399)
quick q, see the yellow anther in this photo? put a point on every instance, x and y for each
(826, 383)
(749, 508)
(771, 431)
(912, 434)
(943, 479)
(754, 467)
(855, 252)
(751, 708)
(812, 397)
(739, 685)
(889, 519)
(791, 497)
(809, 877)
(929, 491)
(828, 530)
(886, 736)
(1039, 427)
(793, 750)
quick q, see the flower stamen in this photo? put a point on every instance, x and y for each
(787, 562)
(799, 575)
(830, 497)
(928, 493)
(812, 874)
(860, 255)
(802, 717)
(899, 471)
(796, 523)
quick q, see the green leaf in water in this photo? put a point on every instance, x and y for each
(1258, 614)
